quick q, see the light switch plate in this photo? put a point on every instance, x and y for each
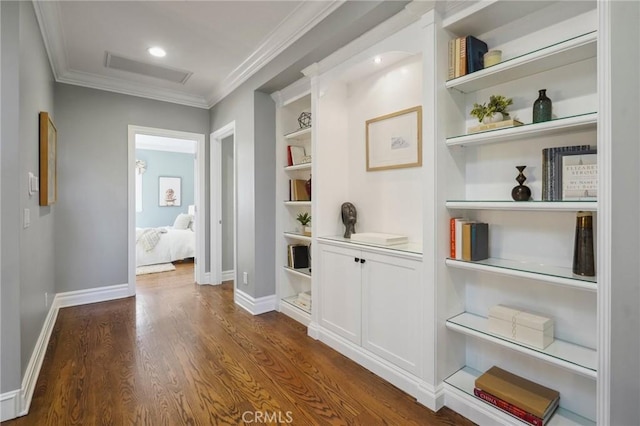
(26, 218)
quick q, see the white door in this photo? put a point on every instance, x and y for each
(340, 291)
(391, 309)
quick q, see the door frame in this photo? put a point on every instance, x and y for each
(199, 197)
(215, 164)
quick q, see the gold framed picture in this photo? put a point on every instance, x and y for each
(394, 141)
(48, 167)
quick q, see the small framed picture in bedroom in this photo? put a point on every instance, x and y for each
(169, 191)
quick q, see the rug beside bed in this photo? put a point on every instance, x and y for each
(152, 269)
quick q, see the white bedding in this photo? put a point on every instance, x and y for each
(175, 244)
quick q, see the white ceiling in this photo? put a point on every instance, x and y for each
(222, 43)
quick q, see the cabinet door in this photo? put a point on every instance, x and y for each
(340, 291)
(391, 309)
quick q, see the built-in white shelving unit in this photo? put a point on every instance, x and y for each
(530, 243)
(291, 102)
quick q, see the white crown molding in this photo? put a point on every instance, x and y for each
(93, 81)
(307, 15)
(300, 20)
(48, 16)
(292, 92)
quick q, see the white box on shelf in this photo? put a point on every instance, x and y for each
(521, 326)
(378, 238)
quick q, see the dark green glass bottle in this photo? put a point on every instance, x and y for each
(542, 107)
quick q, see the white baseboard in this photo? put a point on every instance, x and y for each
(92, 295)
(207, 278)
(10, 403)
(423, 392)
(17, 403)
(228, 275)
(255, 306)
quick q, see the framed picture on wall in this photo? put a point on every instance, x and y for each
(394, 141)
(48, 172)
(169, 191)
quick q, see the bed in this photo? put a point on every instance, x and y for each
(165, 244)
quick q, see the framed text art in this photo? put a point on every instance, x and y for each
(394, 141)
(48, 172)
(169, 191)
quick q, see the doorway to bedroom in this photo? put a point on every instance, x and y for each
(166, 209)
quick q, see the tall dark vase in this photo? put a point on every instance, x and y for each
(521, 192)
(583, 257)
(542, 107)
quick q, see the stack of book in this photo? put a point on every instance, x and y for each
(466, 55)
(304, 300)
(298, 190)
(469, 240)
(530, 402)
(298, 256)
(552, 165)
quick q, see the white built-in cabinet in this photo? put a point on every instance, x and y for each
(411, 314)
(372, 300)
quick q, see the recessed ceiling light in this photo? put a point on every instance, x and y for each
(377, 59)
(157, 52)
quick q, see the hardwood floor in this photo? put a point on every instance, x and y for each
(183, 354)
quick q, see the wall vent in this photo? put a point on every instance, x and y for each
(150, 70)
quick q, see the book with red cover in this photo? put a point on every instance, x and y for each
(525, 394)
(289, 159)
(514, 410)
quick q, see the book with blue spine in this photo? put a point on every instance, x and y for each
(475, 54)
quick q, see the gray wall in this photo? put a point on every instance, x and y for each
(27, 254)
(37, 267)
(9, 187)
(92, 164)
(164, 163)
(625, 228)
(227, 203)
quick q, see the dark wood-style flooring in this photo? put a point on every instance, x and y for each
(183, 354)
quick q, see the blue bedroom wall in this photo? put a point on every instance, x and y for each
(163, 163)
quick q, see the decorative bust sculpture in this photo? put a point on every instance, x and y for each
(349, 219)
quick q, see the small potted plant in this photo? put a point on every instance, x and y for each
(495, 110)
(305, 220)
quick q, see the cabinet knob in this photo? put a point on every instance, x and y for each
(356, 259)
(362, 260)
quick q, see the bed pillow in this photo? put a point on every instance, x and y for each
(182, 221)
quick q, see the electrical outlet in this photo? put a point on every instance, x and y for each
(46, 299)
(245, 277)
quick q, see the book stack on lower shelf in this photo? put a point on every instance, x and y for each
(530, 402)
(303, 300)
(469, 240)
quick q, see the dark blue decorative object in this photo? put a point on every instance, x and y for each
(542, 107)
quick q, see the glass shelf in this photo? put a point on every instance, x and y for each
(303, 272)
(527, 131)
(298, 203)
(297, 236)
(413, 248)
(303, 166)
(544, 59)
(569, 356)
(464, 381)
(299, 134)
(571, 206)
(558, 275)
(291, 300)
